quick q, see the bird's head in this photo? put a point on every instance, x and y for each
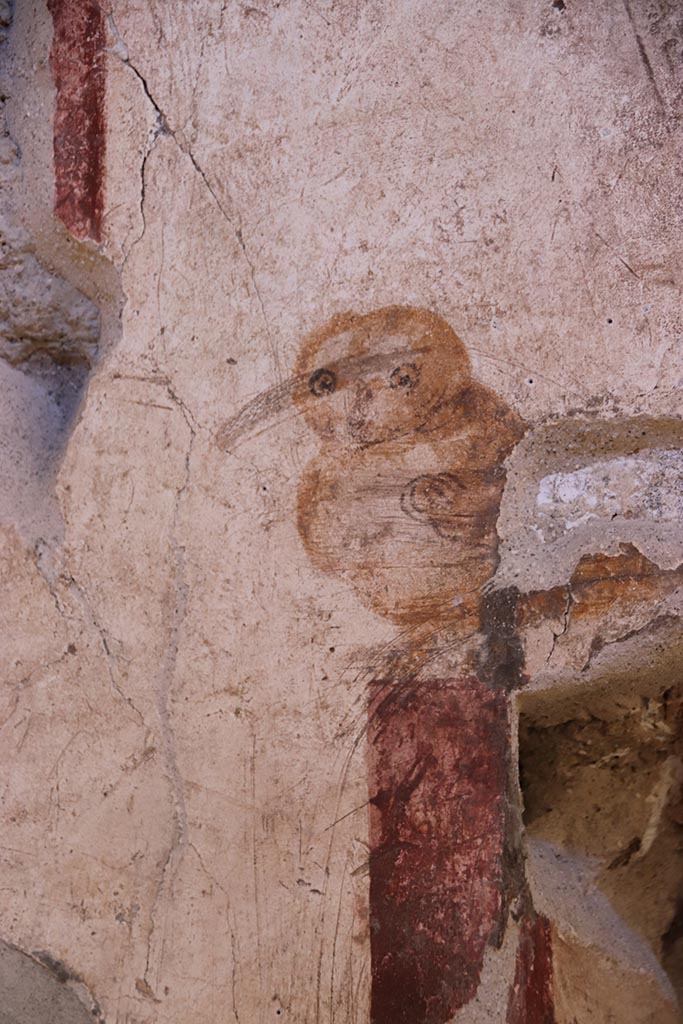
(393, 373)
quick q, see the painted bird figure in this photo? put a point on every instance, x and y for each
(402, 503)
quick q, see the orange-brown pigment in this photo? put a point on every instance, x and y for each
(402, 503)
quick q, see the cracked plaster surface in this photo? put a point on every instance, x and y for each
(186, 790)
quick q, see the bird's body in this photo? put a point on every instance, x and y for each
(402, 503)
(411, 522)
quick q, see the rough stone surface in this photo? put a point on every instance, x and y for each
(369, 491)
(49, 338)
(42, 314)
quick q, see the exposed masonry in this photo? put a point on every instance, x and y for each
(49, 334)
(646, 485)
(49, 339)
(590, 485)
(43, 318)
(601, 731)
(5, 18)
(602, 775)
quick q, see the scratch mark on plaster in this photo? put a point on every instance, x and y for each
(147, 405)
(112, 667)
(642, 52)
(527, 369)
(8, 717)
(55, 766)
(347, 815)
(237, 230)
(618, 256)
(336, 931)
(211, 878)
(312, 7)
(255, 860)
(233, 973)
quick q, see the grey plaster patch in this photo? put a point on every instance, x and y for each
(565, 890)
(35, 414)
(35, 993)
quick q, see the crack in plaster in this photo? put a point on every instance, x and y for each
(164, 685)
(53, 576)
(143, 218)
(163, 128)
(112, 667)
(44, 555)
(179, 839)
(596, 648)
(566, 615)
(643, 54)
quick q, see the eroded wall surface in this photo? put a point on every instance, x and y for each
(340, 525)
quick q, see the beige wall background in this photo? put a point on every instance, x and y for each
(180, 732)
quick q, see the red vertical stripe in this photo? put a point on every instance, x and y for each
(78, 67)
(531, 997)
(437, 752)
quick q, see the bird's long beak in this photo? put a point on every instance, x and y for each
(257, 415)
(260, 413)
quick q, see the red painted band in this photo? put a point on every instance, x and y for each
(531, 997)
(77, 59)
(438, 777)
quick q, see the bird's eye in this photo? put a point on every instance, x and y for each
(404, 377)
(322, 382)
